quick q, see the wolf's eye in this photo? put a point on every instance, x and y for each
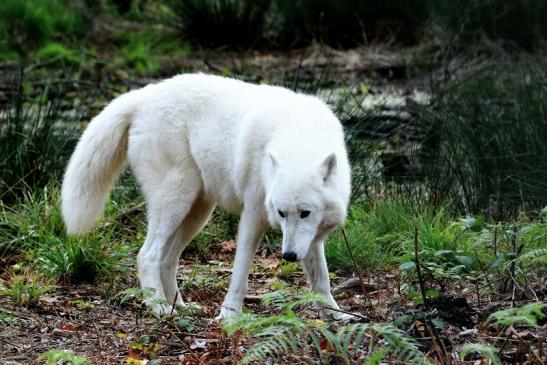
(281, 214)
(304, 213)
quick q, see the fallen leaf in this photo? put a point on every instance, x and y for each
(228, 246)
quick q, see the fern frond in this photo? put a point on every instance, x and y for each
(376, 357)
(283, 333)
(528, 314)
(533, 257)
(305, 299)
(486, 351)
(255, 324)
(286, 300)
(280, 342)
(400, 344)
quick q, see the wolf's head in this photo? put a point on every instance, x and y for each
(304, 202)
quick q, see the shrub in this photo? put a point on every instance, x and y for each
(216, 23)
(23, 26)
(27, 25)
(349, 23)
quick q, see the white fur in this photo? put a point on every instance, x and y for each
(195, 141)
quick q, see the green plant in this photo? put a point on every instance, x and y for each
(77, 259)
(28, 25)
(487, 351)
(35, 227)
(528, 315)
(54, 356)
(373, 235)
(488, 131)
(59, 52)
(137, 54)
(222, 226)
(7, 319)
(216, 23)
(35, 141)
(133, 297)
(284, 334)
(23, 26)
(26, 288)
(202, 281)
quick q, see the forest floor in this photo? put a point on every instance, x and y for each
(119, 330)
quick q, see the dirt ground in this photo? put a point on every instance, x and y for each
(106, 331)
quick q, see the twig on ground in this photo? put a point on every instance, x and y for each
(356, 268)
(174, 303)
(350, 313)
(441, 350)
(418, 270)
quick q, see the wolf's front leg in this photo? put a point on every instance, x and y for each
(251, 229)
(315, 266)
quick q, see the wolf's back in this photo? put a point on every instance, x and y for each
(97, 161)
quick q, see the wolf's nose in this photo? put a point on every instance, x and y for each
(289, 256)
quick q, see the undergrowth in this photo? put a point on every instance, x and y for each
(36, 139)
(285, 335)
(35, 229)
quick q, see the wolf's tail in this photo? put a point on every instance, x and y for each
(97, 161)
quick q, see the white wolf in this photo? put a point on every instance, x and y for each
(195, 141)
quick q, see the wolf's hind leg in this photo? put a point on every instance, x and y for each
(169, 202)
(191, 225)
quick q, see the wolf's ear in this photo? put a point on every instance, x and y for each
(328, 167)
(273, 161)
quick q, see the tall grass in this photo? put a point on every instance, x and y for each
(216, 23)
(34, 228)
(36, 138)
(520, 22)
(380, 233)
(490, 128)
(348, 23)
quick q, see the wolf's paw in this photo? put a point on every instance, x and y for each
(341, 316)
(160, 308)
(337, 315)
(189, 308)
(226, 312)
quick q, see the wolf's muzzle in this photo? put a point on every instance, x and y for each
(289, 256)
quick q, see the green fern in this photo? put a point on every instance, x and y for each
(400, 344)
(485, 351)
(538, 256)
(528, 314)
(376, 357)
(284, 333)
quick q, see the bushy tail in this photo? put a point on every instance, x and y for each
(96, 163)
